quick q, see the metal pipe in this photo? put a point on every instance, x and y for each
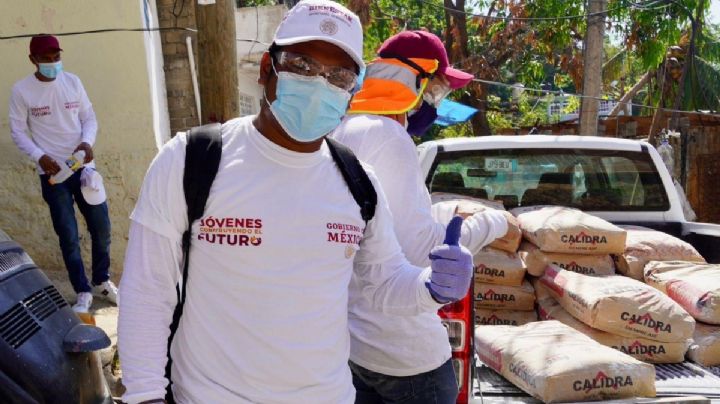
(196, 91)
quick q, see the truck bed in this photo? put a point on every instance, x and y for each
(671, 380)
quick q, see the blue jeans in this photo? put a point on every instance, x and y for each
(434, 387)
(60, 198)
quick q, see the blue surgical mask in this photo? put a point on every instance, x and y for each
(50, 70)
(308, 107)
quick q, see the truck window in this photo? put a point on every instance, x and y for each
(592, 180)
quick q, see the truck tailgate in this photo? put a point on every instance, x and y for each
(671, 380)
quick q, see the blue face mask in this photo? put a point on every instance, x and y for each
(50, 70)
(307, 108)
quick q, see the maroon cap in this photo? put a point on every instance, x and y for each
(424, 45)
(41, 44)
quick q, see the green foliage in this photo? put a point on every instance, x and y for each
(703, 87)
(616, 66)
(652, 52)
(461, 130)
(392, 16)
(709, 45)
(499, 121)
(533, 73)
(547, 53)
(572, 105)
(557, 34)
(530, 110)
(562, 80)
(649, 31)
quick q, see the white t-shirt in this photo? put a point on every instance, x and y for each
(265, 318)
(58, 115)
(409, 345)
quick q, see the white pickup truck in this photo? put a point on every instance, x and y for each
(622, 181)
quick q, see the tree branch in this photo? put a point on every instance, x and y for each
(628, 96)
(486, 20)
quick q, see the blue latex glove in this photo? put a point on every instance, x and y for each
(451, 265)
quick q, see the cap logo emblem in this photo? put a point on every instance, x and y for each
(328, 27)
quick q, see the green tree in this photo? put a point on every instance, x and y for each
(538, 43)
(679, 60)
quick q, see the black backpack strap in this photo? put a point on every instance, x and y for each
(356, 178)
(202, 159)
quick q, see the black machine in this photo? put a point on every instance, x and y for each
(47, 355)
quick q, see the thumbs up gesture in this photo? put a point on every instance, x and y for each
(451, 266)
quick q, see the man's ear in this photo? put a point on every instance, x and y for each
(265, 69)
(32, 59)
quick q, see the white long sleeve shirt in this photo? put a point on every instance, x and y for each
(265, 318)
(51, 117)
(404, 345)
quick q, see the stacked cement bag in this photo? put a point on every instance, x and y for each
(644, 245)
(639, 348)
(556, 363)
(504, 317)
(445, 206)
(493, 266)
(500, 285)
(568, 238)
(705, 348)
(619, 305)
(536, 260)
(695, 287)
(502, 295)
(557, 229)
(541, 291)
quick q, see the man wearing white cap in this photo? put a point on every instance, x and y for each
(266, 321)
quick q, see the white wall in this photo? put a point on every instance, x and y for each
(254, 24)
(122, 73)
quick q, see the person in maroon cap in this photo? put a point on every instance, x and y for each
(51, 118)
(405, 359)
(426, 45)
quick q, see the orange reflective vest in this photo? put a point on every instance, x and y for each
(392, 86)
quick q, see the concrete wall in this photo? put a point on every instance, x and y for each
(123, 78)
(255, 28)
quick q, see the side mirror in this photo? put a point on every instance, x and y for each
(85, 338)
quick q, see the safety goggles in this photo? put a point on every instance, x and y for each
(307, 66)
(436, 91)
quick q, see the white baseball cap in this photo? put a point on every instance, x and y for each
(91, 185)
(323, 20)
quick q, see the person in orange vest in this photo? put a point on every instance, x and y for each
(392, 358)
